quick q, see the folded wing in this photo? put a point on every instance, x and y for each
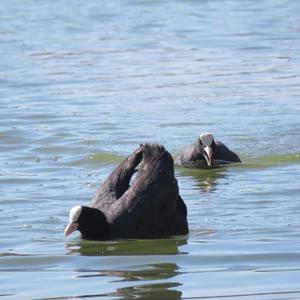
(151, 206)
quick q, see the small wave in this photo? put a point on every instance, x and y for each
(270, 160)
(106, 158)
(100, 159)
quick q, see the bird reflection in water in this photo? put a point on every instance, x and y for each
(127, 247)
(206, 179)
(164, 290)
(137, 279)
(136, 282)
(144, 290)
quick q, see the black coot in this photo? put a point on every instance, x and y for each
(149, 207)
(208, 150)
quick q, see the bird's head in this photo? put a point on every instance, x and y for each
(90, 222)
(206, 141)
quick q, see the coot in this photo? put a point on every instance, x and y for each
(148, 207)
(207, 150)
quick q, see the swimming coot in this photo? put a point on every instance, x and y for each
(208, 150)
(139, 199)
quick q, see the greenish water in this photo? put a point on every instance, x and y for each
(82, 84)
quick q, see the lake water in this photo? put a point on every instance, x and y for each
(83, 83)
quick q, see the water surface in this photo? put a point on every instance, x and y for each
(82, 84)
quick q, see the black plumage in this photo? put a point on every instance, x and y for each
(220, 154)
(149, 207)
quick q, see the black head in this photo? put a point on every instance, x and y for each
(91, 223)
